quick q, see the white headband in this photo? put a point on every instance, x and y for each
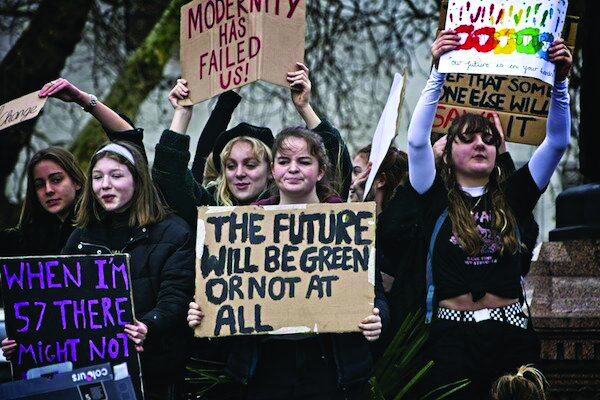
(117, 148)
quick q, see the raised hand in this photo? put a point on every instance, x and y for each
(64, 90)
(446, 41)
(300, 86)
(561, 56)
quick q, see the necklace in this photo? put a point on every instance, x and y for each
(476, 203)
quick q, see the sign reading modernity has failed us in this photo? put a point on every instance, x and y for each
(226, 44)
(285, 269)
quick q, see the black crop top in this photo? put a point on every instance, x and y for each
(455, 272)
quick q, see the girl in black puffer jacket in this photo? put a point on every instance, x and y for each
(121, 212)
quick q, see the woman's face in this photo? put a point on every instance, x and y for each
(246, 176)
(359, 165)
(112, 184)
(55, 189)
(474, 157)
(295, 170)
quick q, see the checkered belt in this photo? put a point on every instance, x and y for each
(512, 314)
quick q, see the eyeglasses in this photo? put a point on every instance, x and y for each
(487, 137)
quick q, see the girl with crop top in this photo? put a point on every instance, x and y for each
(479, 331)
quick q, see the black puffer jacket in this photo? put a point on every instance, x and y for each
(162, 275)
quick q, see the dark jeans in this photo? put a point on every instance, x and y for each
(480, 351)
(295, 369)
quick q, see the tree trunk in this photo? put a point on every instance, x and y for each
(141, 74)
(37, 57)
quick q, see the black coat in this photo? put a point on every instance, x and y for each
(162, 279)
(47, 237)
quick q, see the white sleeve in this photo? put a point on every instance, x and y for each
(421, 161)
(545, 159)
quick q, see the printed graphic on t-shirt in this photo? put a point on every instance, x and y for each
(491, 242)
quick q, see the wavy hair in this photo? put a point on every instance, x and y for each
(316, 148)
(33, 212)
(146, 206)
(463, 225)
(260, 151)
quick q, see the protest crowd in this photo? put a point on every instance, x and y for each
(454, 224)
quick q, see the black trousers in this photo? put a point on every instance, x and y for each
(479, 351)
(296, 369)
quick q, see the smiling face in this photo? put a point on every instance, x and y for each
(246, 175)
(113, 184)
(55, 189)
(296, 172)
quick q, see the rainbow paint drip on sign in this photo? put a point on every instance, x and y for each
(509, 37)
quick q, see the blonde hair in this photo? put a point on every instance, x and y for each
(210, 172)
(260, 151)
(146, 206)
(527, 384)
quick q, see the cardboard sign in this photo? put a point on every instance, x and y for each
(285, 269)
(507, 37)
(386, 129)
(521, 103)
(69, 308)
(226, 44)
(21, 109)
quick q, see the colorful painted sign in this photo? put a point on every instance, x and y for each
(69, 309)
(227, 44)
(307, 268)
(507, 37)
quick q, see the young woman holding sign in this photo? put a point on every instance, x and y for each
(54, 185)
(241, 156)
(54, 182)
(324, 366)
(122, 212)
(479, 331)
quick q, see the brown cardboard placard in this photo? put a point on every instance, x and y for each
(21, 109)
(521, 103)
(227, 44)
(285, 269)
(518, 128)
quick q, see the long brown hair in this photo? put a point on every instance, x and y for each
(146, 207)
(463, 225)
(316, 148)
(393, 168)
(32, 211)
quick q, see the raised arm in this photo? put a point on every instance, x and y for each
(337, 150)
(170, 169)
(64, 90)
(217, 123)
(421, 162)
(545, 159)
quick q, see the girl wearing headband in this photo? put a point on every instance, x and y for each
(122, 212)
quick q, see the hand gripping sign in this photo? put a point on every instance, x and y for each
(226, 44)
